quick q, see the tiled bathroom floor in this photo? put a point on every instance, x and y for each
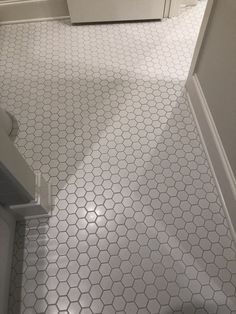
(137, 223)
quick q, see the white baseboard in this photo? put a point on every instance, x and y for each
(32, 10)
(219, 163)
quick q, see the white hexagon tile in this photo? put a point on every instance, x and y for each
(137, 224)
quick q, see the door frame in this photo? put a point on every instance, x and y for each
(200, 39)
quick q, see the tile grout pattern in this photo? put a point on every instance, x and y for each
(137, 224)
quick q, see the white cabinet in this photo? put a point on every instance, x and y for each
(86, 11)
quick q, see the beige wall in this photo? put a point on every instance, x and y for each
(11, 10)
(211, 88)
(216, 72)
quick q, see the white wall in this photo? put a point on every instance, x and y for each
(7, 230)
(216, 71)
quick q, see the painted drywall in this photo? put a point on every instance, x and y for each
(12, 11)
(216, 72)
(7, 231)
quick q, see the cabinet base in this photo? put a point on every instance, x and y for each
(40, 207)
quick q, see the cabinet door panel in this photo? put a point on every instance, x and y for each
(82, 11)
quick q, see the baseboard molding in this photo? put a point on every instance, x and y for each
(33, 20)
(219, 163)
(32, 10)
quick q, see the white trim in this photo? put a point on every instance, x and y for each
(220, 166)
(172, 8)
(42, 19)
(12, 1)
(201, 36)
(167, 8)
